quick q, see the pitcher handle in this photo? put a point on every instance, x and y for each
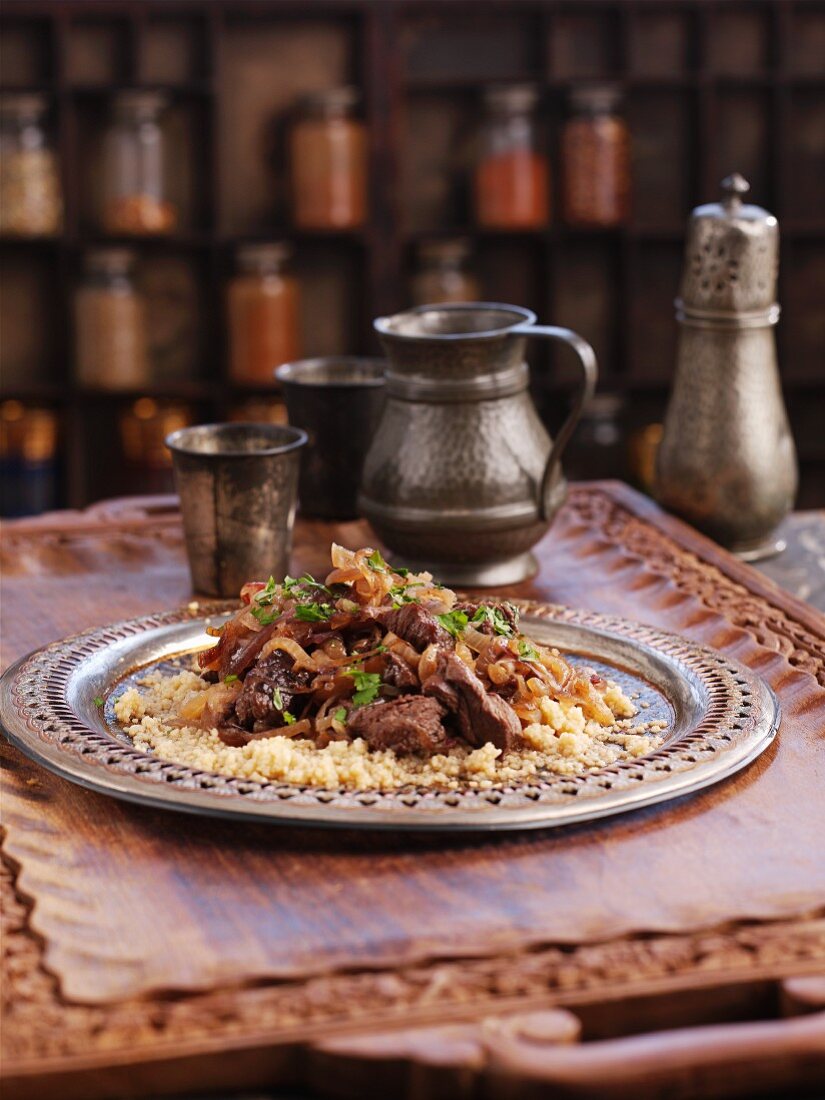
(590, 372)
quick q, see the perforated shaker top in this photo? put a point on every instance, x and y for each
(731, 255)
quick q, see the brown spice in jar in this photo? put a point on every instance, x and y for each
(596, 171)
(110, 324)
(264, 315)
(136, 215)
(328, 163)
(30, 199)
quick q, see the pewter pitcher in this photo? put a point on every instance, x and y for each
(727, 461)
(462, 479)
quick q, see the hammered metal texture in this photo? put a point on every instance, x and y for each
(43, 701)
(727, 461)
(731, 263)
(461, 471)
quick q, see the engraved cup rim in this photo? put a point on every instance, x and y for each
(283, 439)
(402, 326)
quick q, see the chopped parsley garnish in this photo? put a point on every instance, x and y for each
(98, 701)
(264, 617)
(400, 571)
(267, 594)
(496, 617)
(308, 581)
(400, 593)
(230, 679)
(528, 651)
(340, 715)
(380, 648)
(453, 622)
(313, 612)
(289, 718)
(376, 562)
(292, 586)
(278, 699)
(367, 685)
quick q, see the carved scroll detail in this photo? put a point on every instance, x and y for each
(39, 1024)
(768, 624)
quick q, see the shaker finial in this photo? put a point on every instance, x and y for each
(734, 187)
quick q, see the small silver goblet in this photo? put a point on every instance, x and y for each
(238, 486)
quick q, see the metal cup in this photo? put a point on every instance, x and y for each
(237, 486)
(338, 401)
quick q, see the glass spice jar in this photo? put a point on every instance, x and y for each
(264, 318)
(29, 468)
(443, 274)
(595, 151)
(135, 202)
(110, 323)
(512, 176)
(328, 162)
(31, 203)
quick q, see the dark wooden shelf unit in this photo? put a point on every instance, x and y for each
(708, 88)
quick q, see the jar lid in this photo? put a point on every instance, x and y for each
(330, 100)
(598, 98)
(23, 104)
(263, 255)
(444, 250)
(731, 255)
(515, 98)
(140, 103)
(109, 261)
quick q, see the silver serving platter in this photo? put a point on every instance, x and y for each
(720, 717)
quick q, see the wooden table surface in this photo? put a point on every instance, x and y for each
(678, 950)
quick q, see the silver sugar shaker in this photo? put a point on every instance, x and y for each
(727, 461)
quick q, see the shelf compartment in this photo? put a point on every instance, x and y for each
(266, 65)
(490, 47)
(663, 156)
(741, 41)
(662, 43)
(99, 51)
(26, 54)
(743, 143)
(174, 50)
(584, 45)
(29, 288)
(657, 270)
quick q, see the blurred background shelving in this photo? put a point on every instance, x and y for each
(708, 88)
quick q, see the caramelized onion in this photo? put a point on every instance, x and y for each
(298, 654)
(428, 662)
(499, 672)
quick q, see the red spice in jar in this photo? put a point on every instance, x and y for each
(512, 177)
(512, 190)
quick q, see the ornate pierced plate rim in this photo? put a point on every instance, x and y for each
(740, 720)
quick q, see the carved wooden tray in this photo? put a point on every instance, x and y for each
(720, 716)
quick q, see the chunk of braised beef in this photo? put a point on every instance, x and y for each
(480, 717)
(398, 674)
(410, 723)
(270, 682)
(416, 625)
